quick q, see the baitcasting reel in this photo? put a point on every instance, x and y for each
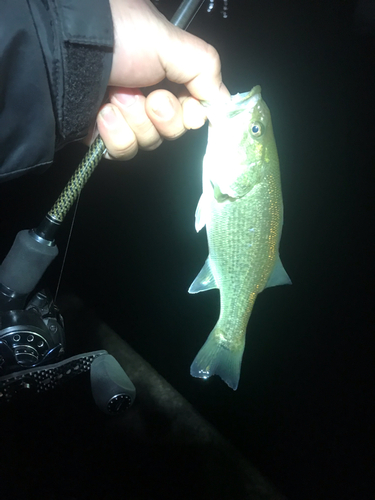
(32, 347)
(31, 337)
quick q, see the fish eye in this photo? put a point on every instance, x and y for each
(256, 129)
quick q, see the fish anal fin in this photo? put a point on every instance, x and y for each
(205, 279)
(278, 276)
(214, 358)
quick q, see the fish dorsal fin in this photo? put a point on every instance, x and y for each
(205, 279)
(278, 276)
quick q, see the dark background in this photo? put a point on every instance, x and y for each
(304, 410)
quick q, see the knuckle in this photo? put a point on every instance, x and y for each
(150, 146)
(123, 151)
(175, 134)
(143, 128)
(213, 55)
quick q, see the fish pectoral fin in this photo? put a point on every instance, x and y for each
(200, 218)
(219, 196)
(278, 276)
(205, 279)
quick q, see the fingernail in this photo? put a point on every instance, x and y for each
(109, 115)
(126, 98)
(163, 108)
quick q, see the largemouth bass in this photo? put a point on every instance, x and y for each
(242, 209)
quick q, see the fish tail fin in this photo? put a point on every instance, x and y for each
(216, 358)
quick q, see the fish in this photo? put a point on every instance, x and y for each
(242, 208)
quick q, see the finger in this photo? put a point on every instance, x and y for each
(193, 113)
(131, 103)
(165, 112)
(118, 137)
(191, 61)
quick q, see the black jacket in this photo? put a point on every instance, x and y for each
(55, 61)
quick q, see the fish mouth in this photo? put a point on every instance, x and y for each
(239, 103)
(253, 96)
(239, 99)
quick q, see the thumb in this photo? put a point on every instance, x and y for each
(188, 60)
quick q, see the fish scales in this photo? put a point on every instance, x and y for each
(242, 209)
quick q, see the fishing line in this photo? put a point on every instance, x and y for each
(67, 246)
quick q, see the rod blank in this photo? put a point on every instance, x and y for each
(186, 13)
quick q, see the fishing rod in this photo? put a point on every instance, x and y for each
(47, 229)
(32, 336)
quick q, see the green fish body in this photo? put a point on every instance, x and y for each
(242, 209)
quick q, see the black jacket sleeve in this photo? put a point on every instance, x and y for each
(55, 62)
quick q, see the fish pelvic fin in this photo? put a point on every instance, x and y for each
(205, 279)
(200, 214)
(216, 358)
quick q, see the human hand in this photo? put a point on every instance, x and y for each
(148, 49)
